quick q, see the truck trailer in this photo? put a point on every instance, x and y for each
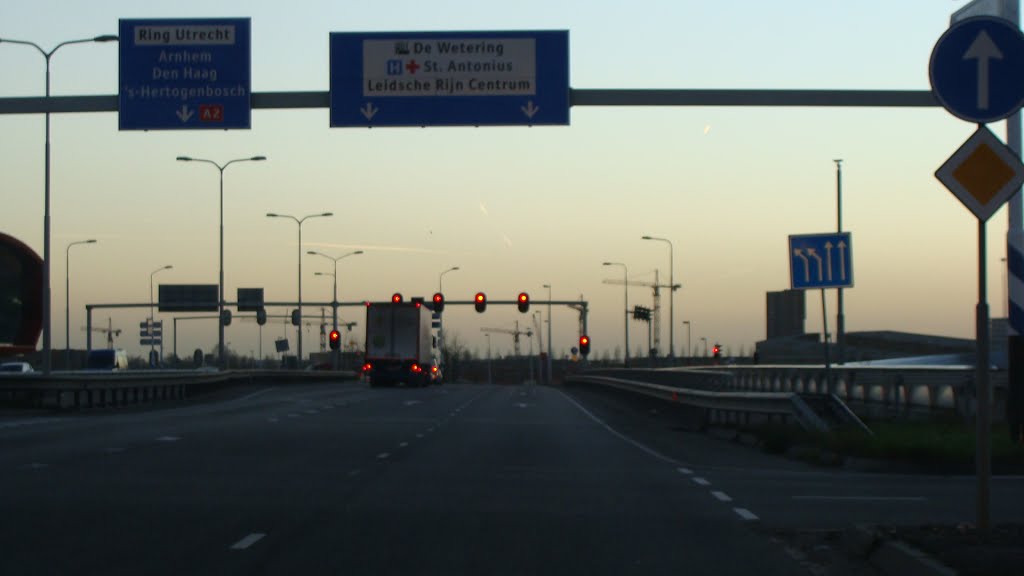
(400, 347)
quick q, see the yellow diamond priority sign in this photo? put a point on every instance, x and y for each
(983, 173)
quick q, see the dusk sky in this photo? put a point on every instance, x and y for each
(514, 207)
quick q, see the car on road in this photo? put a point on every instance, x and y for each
(16, 367)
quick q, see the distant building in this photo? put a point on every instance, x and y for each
(787, 311)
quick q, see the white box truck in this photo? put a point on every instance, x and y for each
(400, 346)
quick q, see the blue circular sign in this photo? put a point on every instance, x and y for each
(976, 69)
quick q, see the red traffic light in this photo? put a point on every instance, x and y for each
(480, 301)
(438, 302)
(584, 345)
(396, 298)
(335, 339)
(523, 302)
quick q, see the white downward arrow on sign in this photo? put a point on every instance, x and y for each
(185, 113)
(530, 109)
(369, 111)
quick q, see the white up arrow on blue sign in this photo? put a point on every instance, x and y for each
(975, 69)
(820, 261)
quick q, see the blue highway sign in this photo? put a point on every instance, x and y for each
(975, 69)
(820, 261)
(185, 74)
(449, 78)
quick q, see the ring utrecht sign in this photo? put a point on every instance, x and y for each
(185, 74)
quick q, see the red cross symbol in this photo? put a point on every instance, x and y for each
(412, 67)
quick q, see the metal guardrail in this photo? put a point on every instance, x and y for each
(847, 392)
(705, 390)
(84, 390)
(878, 391)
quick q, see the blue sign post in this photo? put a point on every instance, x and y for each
(975, 69)
(449, 78)
(185, 74)
(820, 261)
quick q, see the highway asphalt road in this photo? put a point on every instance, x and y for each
(459, 479)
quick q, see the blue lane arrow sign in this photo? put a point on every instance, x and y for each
(820, 261)
(975, 69)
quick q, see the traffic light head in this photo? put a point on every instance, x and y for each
(438, 302)
(335, 339)
(523, 302)
(396, 298)
(584, 345)
(480, 301)
(717, 351)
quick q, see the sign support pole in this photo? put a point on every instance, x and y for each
(983, 392)
(828, 361)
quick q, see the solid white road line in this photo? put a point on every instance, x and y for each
(615, 432)
(247, 541)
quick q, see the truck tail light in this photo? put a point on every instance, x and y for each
(416, 369)
(367, 367)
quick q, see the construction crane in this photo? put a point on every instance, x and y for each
(656, 307)
(110, 331)
(515, 335)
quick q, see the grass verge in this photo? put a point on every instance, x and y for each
(937, 446)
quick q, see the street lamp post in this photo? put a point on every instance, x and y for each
(152, 345)
(47, 329)
(489, 381)
(440, 278)
(220, 292)
(334, 303)
(548, 286)
(841, 316)
(299, 222)
(67, 301)
(688, 350)
(625, 285)
(671, 296)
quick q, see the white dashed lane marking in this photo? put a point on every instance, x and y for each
(722, 496)
(168, 439)
(247, 541)
(701, 481)
(383, 456)
(685, 471)
(746, 514)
